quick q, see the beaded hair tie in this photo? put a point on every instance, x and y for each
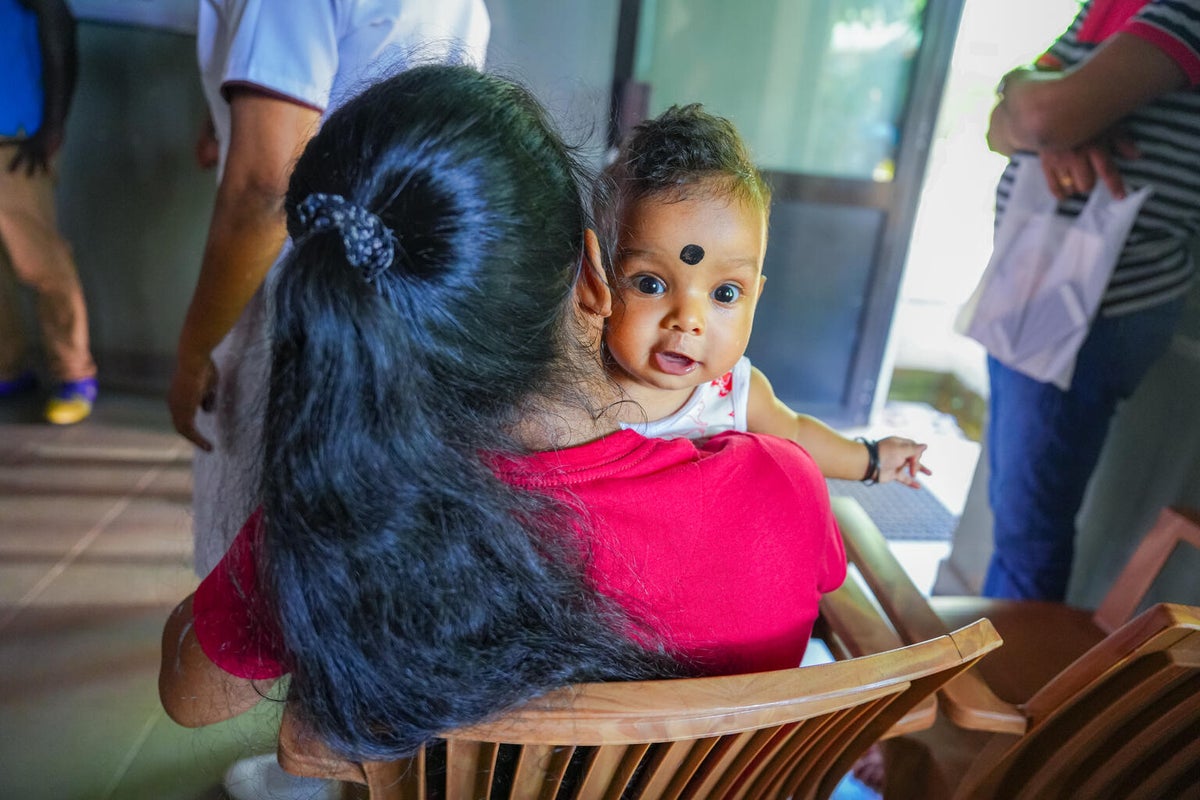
(369, 244)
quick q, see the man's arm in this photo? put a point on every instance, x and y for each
(1071, 118)
(244, 238)
(1047, 109)
(60, 66)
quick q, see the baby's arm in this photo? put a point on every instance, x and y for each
(836, 455)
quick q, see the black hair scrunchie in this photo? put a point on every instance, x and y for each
(369, 244)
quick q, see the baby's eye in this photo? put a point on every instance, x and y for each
(648, 284)
(727, 293)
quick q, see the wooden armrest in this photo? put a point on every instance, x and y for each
(1173, 527)
(854, 627)
(905, 606)
(967, 699)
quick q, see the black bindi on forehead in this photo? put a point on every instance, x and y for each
(691, 254)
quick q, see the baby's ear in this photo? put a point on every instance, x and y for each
(592, 291)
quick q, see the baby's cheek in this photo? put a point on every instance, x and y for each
(620, 343)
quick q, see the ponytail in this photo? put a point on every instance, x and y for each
(415, 591)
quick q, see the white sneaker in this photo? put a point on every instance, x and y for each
(261, 778)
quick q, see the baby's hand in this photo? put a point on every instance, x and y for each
(900, 460)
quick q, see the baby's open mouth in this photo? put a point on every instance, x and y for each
(674, 363)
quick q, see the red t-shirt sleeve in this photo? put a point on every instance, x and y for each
(1172, 27)
(233, 627)
(1175, 30)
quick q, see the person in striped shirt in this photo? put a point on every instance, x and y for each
(1115, 99)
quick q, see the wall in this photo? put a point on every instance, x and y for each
(564, 52)
(136, 207)
(131, 198)
(1151, 459)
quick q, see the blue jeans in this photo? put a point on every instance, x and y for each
(1044, 443)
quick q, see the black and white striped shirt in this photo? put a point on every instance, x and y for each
(1155, 265)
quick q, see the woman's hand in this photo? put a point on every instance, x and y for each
(1071, 171)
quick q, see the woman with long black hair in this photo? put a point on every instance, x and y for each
(451, 521)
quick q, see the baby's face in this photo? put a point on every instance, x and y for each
(689, 278)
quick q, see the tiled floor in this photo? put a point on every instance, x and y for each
(95, 549)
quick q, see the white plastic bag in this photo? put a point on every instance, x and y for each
(1042, 286)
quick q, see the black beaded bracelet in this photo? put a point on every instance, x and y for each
(872, 475)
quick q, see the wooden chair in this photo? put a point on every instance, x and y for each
(1075, 704)
(786, 734)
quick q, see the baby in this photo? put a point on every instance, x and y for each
(685, 221)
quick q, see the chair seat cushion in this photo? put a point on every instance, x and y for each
(1040, 640)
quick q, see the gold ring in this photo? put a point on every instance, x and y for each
(1066, 182)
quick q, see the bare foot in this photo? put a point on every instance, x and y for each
(870, 769)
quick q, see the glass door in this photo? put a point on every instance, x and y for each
(837, 100)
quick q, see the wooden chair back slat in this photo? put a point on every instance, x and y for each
(1110, 720)
(538, 772)
(1139, 745)
(1174, 773)
(789, 744)
(1096, 733)
(841, 741)
(631, 758)
(598, 770)
(724, 762)
(664, 762)
(804, 775)
(701, 738)
(401, 780)
(747, 762)
(469, 769)
(681, 773)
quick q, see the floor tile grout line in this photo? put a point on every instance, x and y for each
(138, 743)
(78, 548)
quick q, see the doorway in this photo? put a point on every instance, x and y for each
(928, 363)
(837, 101)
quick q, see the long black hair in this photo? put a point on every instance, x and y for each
(415, 591)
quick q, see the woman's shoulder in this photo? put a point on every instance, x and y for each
(740, 454)
(730, 458)
(761, 448)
